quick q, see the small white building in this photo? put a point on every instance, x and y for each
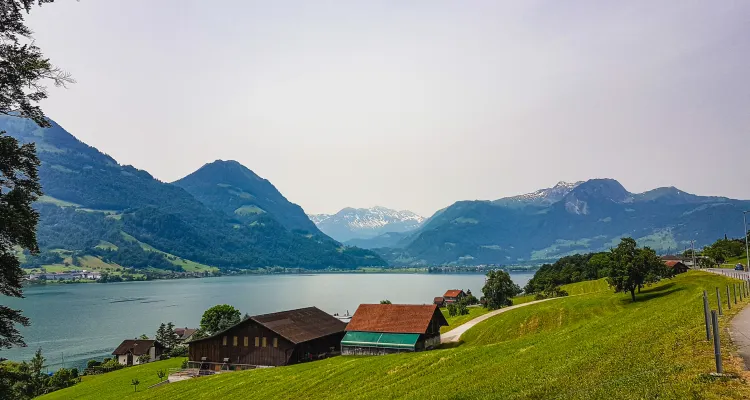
(130, 350)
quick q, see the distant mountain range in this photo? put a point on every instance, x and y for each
(565, 219)
(352, 224)
(222, 215)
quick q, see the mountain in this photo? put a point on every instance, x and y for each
(581, 217)
(363, 223)
(231, 188)
(541, 197)
(388, 239)
(96, 209)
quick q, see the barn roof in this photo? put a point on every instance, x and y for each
(137, 347)
(301, 325)
(453, 293)
(395, 318)
(438, 300)
(672, 263)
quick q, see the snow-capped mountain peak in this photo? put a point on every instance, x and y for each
(542, 196)
(352, 223)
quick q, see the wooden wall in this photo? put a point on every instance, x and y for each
(245, 351)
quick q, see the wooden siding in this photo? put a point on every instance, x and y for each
(252, 350)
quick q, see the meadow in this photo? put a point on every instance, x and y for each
(594, 345)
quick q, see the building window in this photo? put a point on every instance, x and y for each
(264, 342)
(257, 341)
(275, 342)
(224, 341)
(247, 341)
(234, 341)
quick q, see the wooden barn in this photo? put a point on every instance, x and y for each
(377, 329)
(677, 267)
(281, 338)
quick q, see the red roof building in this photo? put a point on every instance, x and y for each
(454, 295)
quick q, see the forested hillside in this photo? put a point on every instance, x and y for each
(90, 199)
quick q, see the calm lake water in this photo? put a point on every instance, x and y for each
(84, 321)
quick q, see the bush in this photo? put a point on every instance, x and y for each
(452, 309)
(92, 364)
(178, 351)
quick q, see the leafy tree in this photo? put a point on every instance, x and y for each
(161, 374)
(632, 268)
(499, 289)
(452, 309)
(462, 307)
(24, 69)
(569, 269)
(385, 301)
(135, 382)
(144, 358)
(63, 378)
(218, 318)
(143, 337)
(92, 363)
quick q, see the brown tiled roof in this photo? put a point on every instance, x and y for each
(135, 346)
(184, 333)
(452, 293)
(301, 325)
(438, 300)
(395, 318)
(672, 263)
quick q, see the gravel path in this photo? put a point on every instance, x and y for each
(455, 334)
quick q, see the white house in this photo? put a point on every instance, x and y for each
(129, 350)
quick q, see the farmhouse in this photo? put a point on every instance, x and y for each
(439, 301)
(130, 350)
(281, 338)
(677, 267)
(454, 296)
(378, 329)
(184, 334)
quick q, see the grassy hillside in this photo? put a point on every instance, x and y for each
(597, 345)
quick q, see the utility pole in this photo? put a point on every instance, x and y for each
(692, 252)
(747, 254)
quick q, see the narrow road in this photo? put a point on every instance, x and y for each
(739, 326)
(455, 334)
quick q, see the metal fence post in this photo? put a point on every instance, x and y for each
(718, 300)
(717, 342)
(706, 317)
(729, 300)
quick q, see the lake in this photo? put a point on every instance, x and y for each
(79, 322)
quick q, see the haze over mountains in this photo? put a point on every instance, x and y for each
(362, 223)
(567, 219)
(226, 216)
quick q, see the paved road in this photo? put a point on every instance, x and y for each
(455, 334)
(739, 327)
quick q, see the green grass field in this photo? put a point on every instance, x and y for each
(116, 385)
(598, 345)
(459, 320)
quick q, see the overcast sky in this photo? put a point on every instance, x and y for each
(411, 104)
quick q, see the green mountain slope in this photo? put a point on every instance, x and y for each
(231, 188)
(91, 198)
(590, 217)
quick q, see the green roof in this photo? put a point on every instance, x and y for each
(381, 340)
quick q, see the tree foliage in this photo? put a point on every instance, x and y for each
(632, 268)
(569, 269)
(386, 301)
(499, 289)
(218, 318)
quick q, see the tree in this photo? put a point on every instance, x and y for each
(161, 374)
(143, 337)
(23, 69)
(632, 268)
(218, 318)
(462, 307)
(170, 336)
(386, 301)
(161, 334)
(499, 289)
(452, 309)
(135, 382)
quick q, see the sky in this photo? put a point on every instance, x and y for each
(411, 104)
